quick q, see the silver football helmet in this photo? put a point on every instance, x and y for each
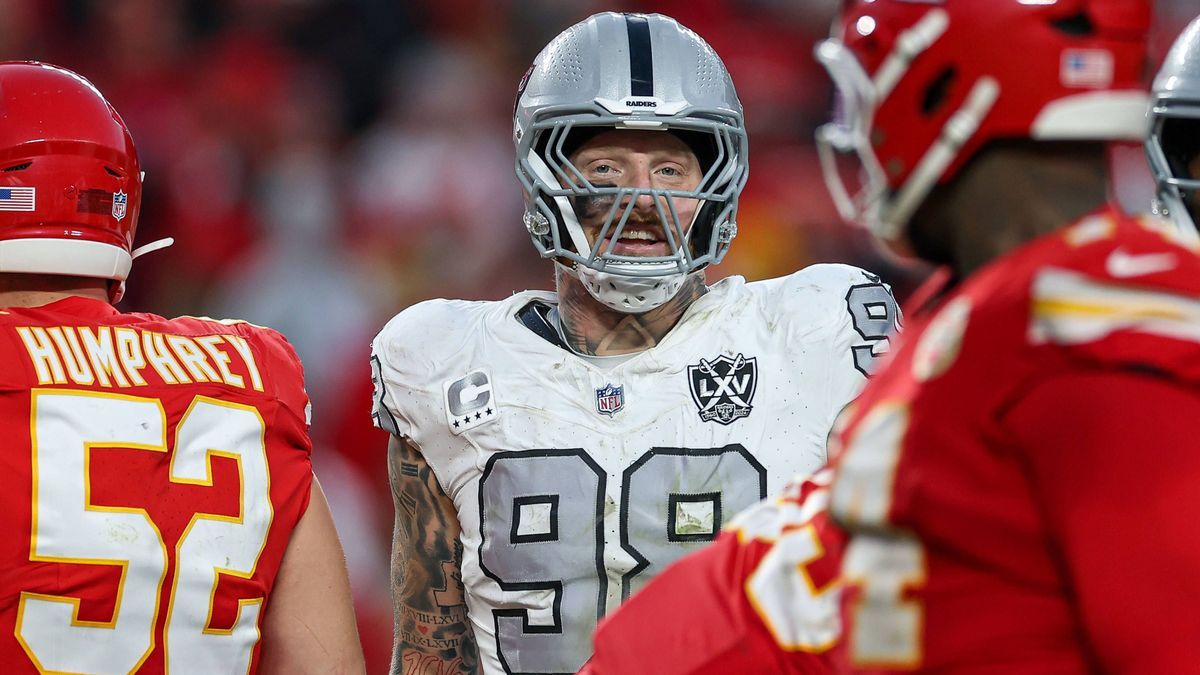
(1173, 145)
(628, 71)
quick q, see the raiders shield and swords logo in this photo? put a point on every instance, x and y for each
(724, 387)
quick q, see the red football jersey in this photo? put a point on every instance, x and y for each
(152, 473)
(1020, 481)
(761, 599)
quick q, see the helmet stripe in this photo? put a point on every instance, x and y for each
(641, 58)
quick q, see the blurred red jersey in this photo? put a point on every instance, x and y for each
(1019, 482)
(152, 473)
(761, 599)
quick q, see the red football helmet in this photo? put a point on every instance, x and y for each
(923, 84)
(70, 182)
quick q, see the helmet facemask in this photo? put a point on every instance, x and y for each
(1173, 148)
(636, 72)
(563, 204)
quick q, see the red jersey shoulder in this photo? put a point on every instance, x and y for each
(1126, 296)
(1138, 252)
(89, 344)
(280, 369)
(1107, 292)
(1135, 252)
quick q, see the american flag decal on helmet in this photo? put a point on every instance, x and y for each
(1087, 68)
(17, 198)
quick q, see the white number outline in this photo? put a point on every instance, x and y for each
(26, 596)
(880, 560)
(865, 356)
(240, 519)
(780, 587)
(559, 623)
(125, 564)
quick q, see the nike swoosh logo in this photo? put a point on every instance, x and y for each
(1123, 265)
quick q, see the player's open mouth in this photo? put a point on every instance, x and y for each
(640, 240)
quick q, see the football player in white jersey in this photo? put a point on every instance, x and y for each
(553, 451)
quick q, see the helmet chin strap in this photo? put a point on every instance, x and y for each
(116, 289)
(631, 295)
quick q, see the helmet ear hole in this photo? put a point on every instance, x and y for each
(1181, 144)
(938, 91)
(1076, 25)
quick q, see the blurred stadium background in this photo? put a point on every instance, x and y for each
(324, 163)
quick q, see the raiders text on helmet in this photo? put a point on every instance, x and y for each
(922, 86)
(641, 72)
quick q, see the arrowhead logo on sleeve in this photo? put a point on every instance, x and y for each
(723, 388)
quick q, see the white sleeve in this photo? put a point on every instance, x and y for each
(874, 319)
(858, 317)
(384, 412)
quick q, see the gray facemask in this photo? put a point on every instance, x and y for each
(1174, 140)
(640, 72)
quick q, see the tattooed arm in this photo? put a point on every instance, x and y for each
(432, 632)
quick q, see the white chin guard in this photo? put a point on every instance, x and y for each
(632, 295)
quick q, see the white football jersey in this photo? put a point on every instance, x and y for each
(575, 484)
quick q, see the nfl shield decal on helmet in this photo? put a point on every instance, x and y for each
(610, 400)
(120, 200)
(724, 387)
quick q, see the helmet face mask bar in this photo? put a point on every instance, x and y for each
(558, 188)
(847, 137)
(689, 95)
(1173, 145)
(1176, 169)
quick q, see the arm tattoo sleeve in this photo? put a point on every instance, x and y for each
(432, 634)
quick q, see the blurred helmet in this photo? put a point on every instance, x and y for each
(922, 85)
(70, 183)
(1173, 146)
(628, 71)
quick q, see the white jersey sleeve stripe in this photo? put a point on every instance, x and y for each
(1071, 308)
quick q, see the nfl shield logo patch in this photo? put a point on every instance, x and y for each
(610, 400)
(120, 200)
(724, 387)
